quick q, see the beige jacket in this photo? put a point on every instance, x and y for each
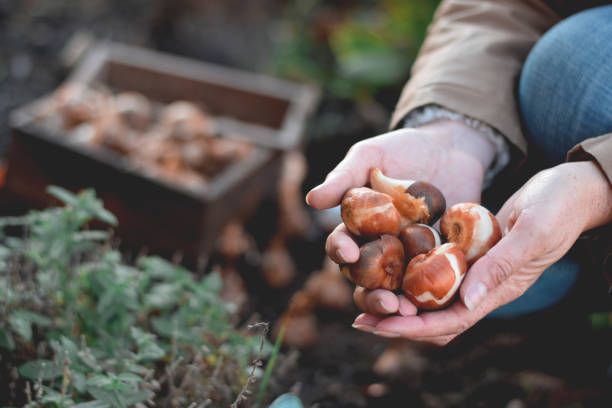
(472, 58)
(470, 63)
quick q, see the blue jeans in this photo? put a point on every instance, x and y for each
(565, 97)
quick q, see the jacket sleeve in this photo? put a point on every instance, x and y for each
(471, 60)
(598, 149)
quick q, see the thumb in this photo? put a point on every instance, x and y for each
(352, 171)
(496, 266)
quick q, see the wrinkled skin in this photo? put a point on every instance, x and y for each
(539, 223)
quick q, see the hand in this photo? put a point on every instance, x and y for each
(540, 223)
(448, 154)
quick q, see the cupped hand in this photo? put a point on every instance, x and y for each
(540, 223)
(448, 154)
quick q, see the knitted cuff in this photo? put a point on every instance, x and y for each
(430, 113)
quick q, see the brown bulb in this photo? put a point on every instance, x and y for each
(472, 227)
(419, 239)
(277, 266)
(380, 265)
(368, 213)
(329, 290)
(432, 279)
(300, 330)
(185, 121)
(416, 201)
(134, 109)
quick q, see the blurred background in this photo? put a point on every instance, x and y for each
(356, 55)
(359, 52)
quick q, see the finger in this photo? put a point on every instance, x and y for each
(451, 321)
(406, 308)
(499, 263)
(377, 301)
(352, 171)
(341, 247)
(507, 215)
(366, 322)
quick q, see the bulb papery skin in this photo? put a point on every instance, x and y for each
(471, 226)
(369, 214)
(380, 266)
(416, 201)
(432, 280)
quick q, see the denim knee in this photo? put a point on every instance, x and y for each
(554, 283)
(565, 88)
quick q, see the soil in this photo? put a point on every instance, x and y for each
(551, 359)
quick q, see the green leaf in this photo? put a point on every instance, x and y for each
(150, 352)
(94, 235)
(106, 396)
(50, 396)
(79, 381)
(147, 347)
(163, 295)
(100, 381)
(136, 396)
(95, 208)
(21, 326)
(139, 335)
(21, 322)
(159, 268)
(212, 282)
(108, 217)
(129, 378)
(92, 404)
(121, 399)
(163, 326)
(6, 339)
(65, 196)
(45, 369)
(34, 318)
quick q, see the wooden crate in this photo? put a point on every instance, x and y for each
(155, 213)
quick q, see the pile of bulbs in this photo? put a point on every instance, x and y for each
(402, 250)
(176, 142)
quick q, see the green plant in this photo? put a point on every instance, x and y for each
(88, 330)
(352, 52)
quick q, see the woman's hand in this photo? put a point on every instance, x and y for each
(448, 154)
(540, 223)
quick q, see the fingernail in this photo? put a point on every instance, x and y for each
(340, 255)
(406, 309)
(383, 307)
(361, 316)
(386, 334)
(363, 327)
(311, 191)
(474, 296)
